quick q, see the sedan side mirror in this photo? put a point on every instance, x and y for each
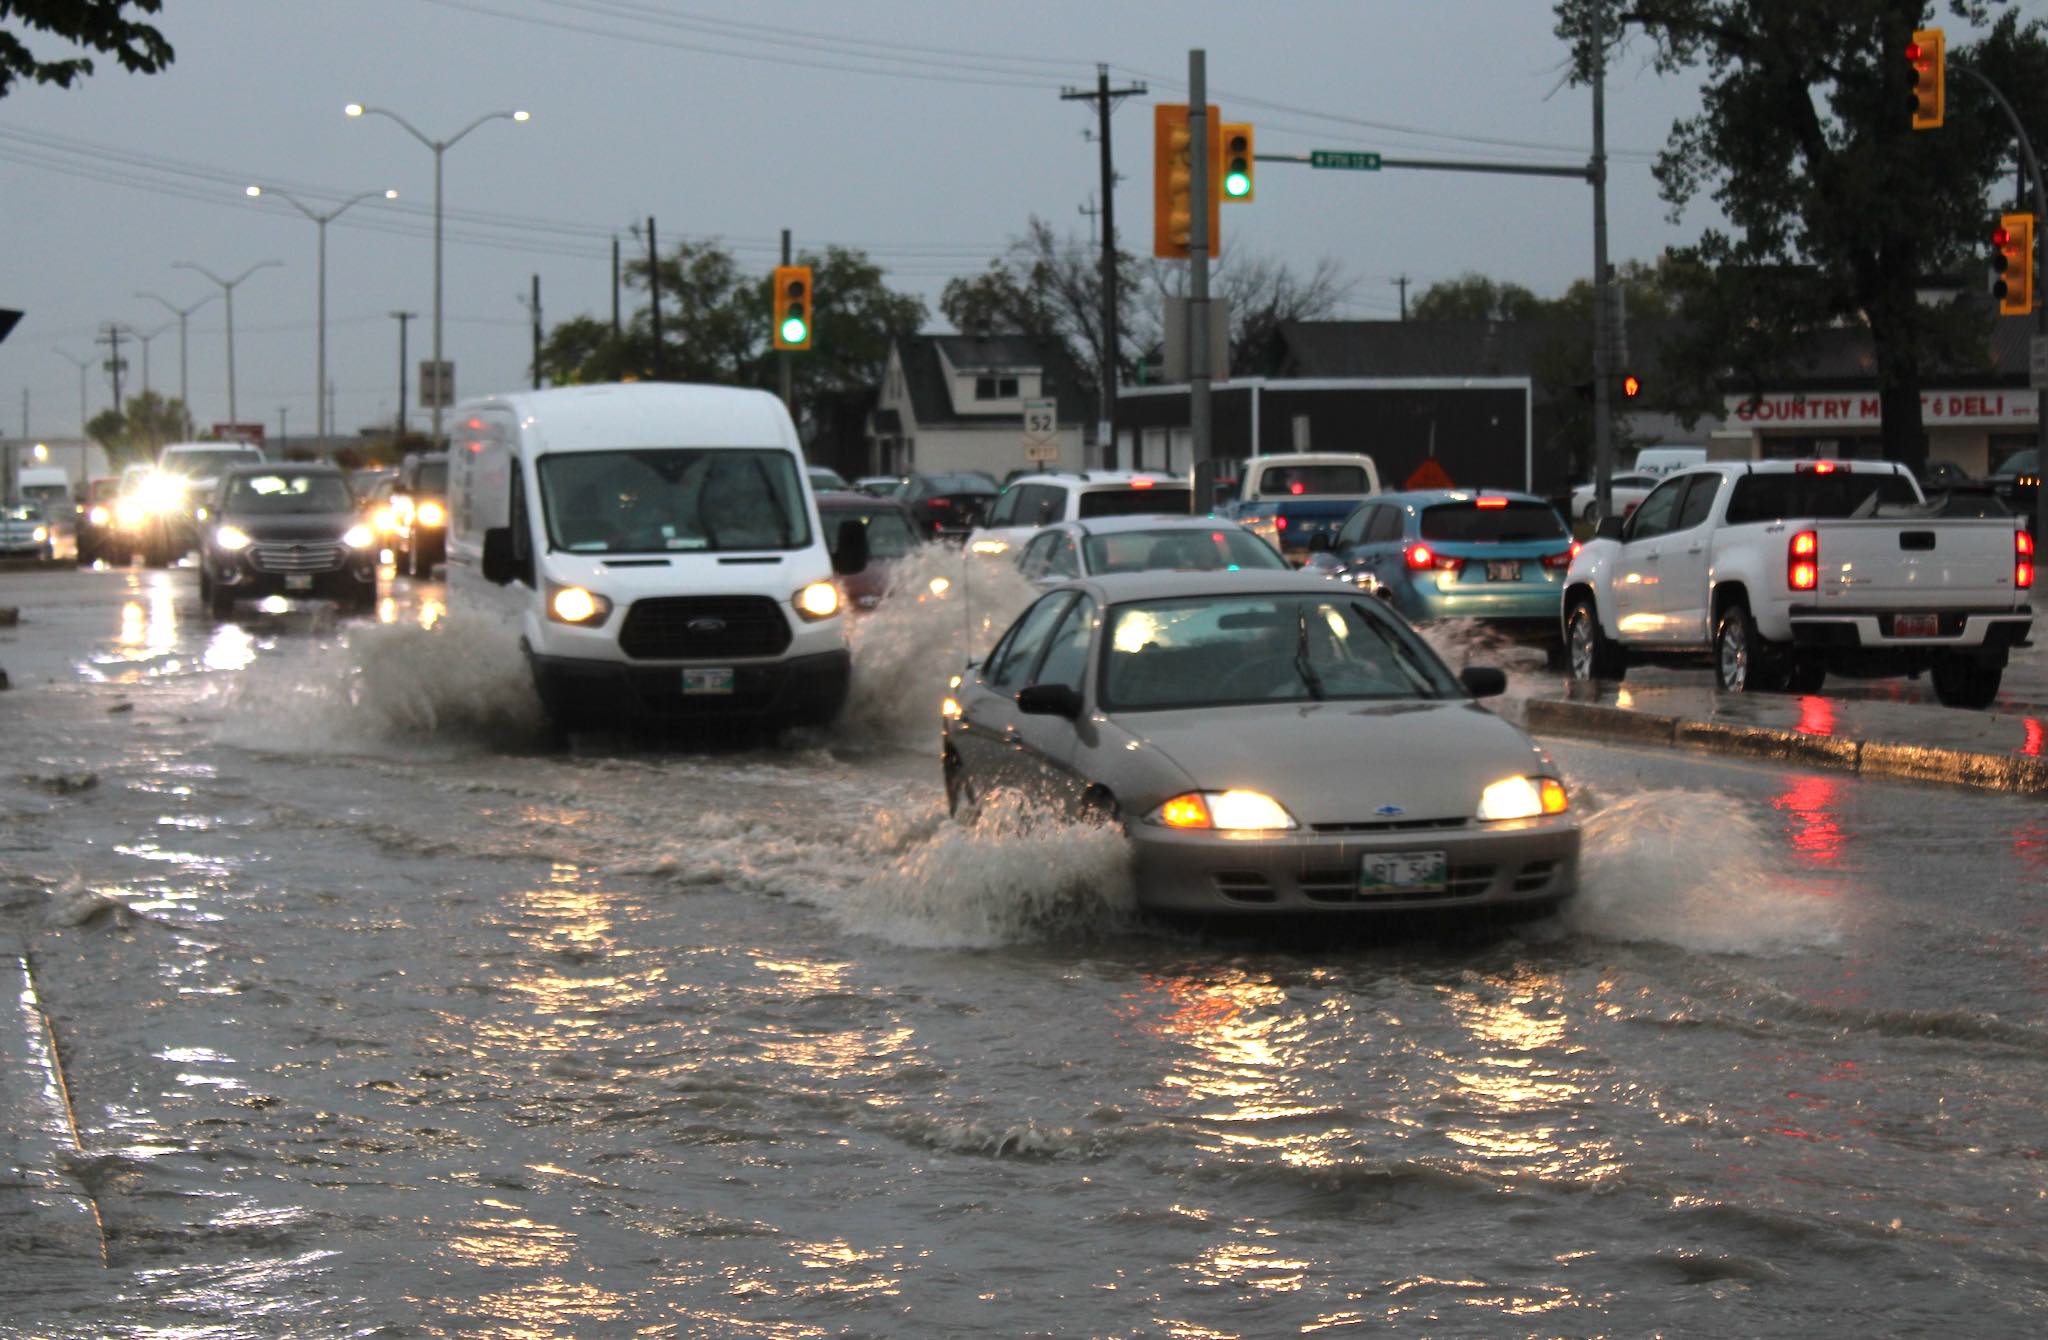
(1484, 681)
(1050, 700)
(499, 564)
(850, 555)
(1610, 528)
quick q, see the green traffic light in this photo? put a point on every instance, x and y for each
(793, 330)
(1237, 184)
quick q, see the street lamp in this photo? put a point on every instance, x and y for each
(184, 393)
(82, 364)
(439, 147)
(143, 337)
(227, 287)
(321, 426)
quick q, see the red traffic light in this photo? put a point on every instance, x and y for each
(1631, 386)
(1914, 52)
(1999, 237)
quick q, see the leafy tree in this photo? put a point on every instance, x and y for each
(139, 432)
(1474, 297)
(1837, 209)
(95, 25)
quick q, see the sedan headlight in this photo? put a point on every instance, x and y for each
(574, 604)
(129, 512)
(432, 514)
(231, 538)
(1224, 811)
(819, 600)
(98, 515)
(1522, 798)
(358, 537)
(163, 494)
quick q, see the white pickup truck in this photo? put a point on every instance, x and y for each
(1786, 571)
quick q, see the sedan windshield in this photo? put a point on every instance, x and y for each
(208, 464)
(281, 494)
(673, 498)
(1208, 651)
(1180, 549)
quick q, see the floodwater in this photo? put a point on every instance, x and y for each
(382, 1016)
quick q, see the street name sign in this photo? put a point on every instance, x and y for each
(1344, 158)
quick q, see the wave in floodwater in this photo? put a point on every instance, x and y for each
(1696, 869)
(463, 681)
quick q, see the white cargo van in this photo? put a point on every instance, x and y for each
(657, 546)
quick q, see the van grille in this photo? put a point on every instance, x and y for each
(696, 628)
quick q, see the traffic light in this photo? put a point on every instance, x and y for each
(1631, 386)
(2012, 264)
(1237, 160)
(1927, 53)
(792, 307)
(1173, 181)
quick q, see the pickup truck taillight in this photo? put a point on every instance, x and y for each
(1802, 561)
(2022, 559)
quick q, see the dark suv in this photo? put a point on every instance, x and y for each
(419, 514)
(285, 530)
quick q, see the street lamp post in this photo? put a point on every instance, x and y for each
(82, 364)
(228, 287)
(184, 392)
(439, 147)
(321, 427)
(143, 337)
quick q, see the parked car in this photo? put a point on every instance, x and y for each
(284, 529)
(1109, 544)
(880, 486)
(1036, 500)
(1662, 462)
(1626, 490)
(824, 479)
(1481, 555)
(892, 537)
(948, 503)
(1783, 572)
(25, 532)
(419, 514)
(1269, 743)
(95, 524)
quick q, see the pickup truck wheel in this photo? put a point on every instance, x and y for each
(1743, 661)
(1590, 653)
(1960, 682)
(1806, 677)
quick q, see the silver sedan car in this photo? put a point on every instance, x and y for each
(1101, 545)
(1269, 743)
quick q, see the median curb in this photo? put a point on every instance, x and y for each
(42, 1207)
(1900, 762)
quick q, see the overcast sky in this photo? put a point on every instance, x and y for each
(925, 133)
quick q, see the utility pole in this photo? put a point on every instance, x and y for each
(399, 432)
(1401, 282)
(1105, 99)
(615, 287)
(532, 307)
(1091, 210)
(281, 434)
(1200, 423)
(654, 300)
(783, 372)
(112, 339)
(1603, 431)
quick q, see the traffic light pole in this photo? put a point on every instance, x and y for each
(1200, 423)
(1603, 429)
(2033, 171)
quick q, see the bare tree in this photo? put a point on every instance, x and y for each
(1263, 294)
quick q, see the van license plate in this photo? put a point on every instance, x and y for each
(717, 680)
(1403, 872)
(1503, 572)
(298, 581)
(1916, 625)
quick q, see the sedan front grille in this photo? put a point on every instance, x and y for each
(695, 628)
(297, 557)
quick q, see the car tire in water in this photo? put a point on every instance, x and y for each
(1743, 661)
(1962, 682)
(1806, 677)
(1589, 653)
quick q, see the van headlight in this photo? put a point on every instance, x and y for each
(1522, 798)
(819, 600)
(231, 538)
(577, 605)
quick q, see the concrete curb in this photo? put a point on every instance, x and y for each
(1903, 762)
(42, 1208)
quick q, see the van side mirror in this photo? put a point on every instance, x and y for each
(499, 564)
(1484, 681)
(850, 555)
(1049, 700)
(1610, 528)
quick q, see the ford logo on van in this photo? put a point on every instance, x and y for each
(706, 625)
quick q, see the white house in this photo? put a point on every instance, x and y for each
(957, 402)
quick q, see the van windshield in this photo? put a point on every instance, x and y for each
(663, 499)
(1295, 480)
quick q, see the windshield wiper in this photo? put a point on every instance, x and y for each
(1301, 665)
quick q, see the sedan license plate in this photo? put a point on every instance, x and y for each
(1504, 572)
(1916, 625)
(298, 581)
(1403, 872)
(716, 680)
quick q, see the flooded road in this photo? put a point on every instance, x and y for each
(382, 1015)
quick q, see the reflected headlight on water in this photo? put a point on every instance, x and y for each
(1522, 798)
(231, 538)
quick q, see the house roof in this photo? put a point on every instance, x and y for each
(924, 374)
